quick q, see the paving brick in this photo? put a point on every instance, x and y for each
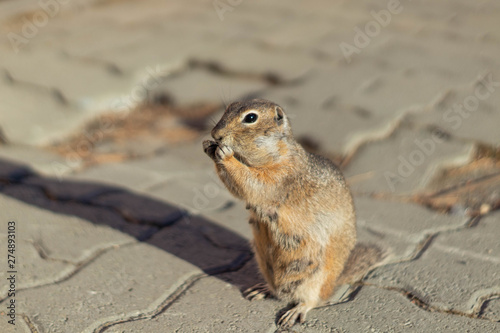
(30, 124)
(122, 174)
(59, 236)
(411, 159)
(233, 217)
(59, 71)
(102, 290)
(449, 274)
(12, 171)
(377, 310)
(69, 190)
(144, 173)
(400, 227)
(256, 60)
(492, 309)
(197, 193)
(212, 305)
(141, 208)
(20, 326)
(201, 242)
(202, 86)
(101, 216)
(468, 112)
(33, 270)
(38, 160)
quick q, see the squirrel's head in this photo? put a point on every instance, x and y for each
(258, 131)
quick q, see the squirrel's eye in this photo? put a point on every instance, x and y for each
(250, 118)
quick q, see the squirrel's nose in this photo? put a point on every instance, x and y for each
(217, 136)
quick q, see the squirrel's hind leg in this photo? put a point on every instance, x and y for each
(297, 313)
(259, 291)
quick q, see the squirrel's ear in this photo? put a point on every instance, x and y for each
(279, 115)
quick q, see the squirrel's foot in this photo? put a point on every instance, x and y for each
(297, 313)
(259, 291)
(209, 147)
(224, 152)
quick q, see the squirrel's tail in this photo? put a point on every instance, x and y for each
(362, 258)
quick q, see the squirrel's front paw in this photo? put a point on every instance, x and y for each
(209, 147)
(224, 152)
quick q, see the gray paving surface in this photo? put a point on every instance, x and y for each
(156, 244)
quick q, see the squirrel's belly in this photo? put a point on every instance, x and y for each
(286, 262)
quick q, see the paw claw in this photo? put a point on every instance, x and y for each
(209, 147)
(224, 152)
(257, 292)
(297, 313)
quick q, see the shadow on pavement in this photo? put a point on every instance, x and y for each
(197, 240)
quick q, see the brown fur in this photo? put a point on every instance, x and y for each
(301, 211)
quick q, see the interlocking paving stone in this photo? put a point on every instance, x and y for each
(12, 171)
(212, 305)
(411, 157)
(400, 226)
(122, 174)
(468, 112)
(234, 217)
(492, 309)
(142, 174)
(38, 160)
(59, 71)
(452, 270)
(33, 270)
(197, 193)
(69, 190)
(97, 215)
(60, 236)
(293, 66)
(377, 310)
(120, 281)
(200, 85)
(141, 208)
(43, 124)
(20, 326)
(201, 242)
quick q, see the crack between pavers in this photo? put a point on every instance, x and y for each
(78, 267)
(381, 135)
(355, 286)
(216, 244)
(426, 306)
(29, 323)
(427, 237)
(477, 309)
(42, 252)
(87, 202)
(126, 216)
(404, 117)
(55, 93)
(171, 296)
(481, 307)
(481, 298)
(218, 69)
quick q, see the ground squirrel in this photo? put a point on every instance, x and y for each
(301, 210)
